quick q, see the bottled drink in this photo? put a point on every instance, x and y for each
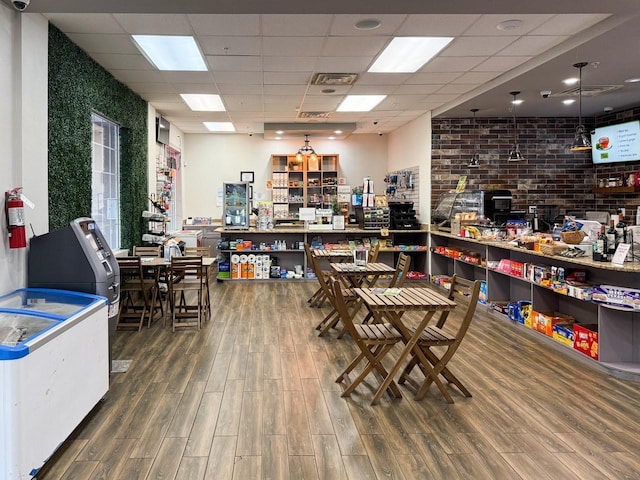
(621, 232)
(598, 247)
(611, 240)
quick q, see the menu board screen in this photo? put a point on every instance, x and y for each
(616, 143)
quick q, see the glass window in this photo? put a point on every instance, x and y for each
(105, 178)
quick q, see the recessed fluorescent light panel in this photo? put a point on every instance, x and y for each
(203, 102)
(408, 54)
(220, 126)
(171, 52)
(360, 103)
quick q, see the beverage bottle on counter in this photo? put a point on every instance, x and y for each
(621, 232)
(611, 240)
(598, 246)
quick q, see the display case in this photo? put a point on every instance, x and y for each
(453, 203)
(236, 205)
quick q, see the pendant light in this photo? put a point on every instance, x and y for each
(514, 153)
(475, 158)
(306, 149)
(581, 141)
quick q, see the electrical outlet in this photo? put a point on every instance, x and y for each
(532, 208)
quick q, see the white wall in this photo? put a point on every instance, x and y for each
(410, 146)
(211, 159)
(23, 130)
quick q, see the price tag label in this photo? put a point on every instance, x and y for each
(621, 254)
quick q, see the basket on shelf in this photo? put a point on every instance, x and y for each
(552, 248)
(573, 236)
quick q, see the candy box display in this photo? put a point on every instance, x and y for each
(544, 321)
(618, 296)
(585, 339)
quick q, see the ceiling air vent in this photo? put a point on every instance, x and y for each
(314, 114)
(334, 79)
(589, 90)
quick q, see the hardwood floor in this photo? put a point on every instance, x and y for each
(252, 396)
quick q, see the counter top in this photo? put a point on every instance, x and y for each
(301, 229)
(632, 267)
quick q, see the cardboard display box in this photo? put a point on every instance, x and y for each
(563, 333)
(544, 321)
(586, 339)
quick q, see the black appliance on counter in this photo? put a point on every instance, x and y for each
(403, 216)
(372, 218)
(497, 205)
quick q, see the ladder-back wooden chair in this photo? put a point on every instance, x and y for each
(152, 273)
(136, 294)
(186, 292)
(318, 298)
(374, 342)
(432, 362)
(373, 258)
(203, 251)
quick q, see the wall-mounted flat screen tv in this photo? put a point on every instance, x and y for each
(616, 143)
(162, 130)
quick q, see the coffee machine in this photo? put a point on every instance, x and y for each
(497, 205)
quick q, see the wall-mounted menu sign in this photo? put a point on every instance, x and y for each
(616, 143)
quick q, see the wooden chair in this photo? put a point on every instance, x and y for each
(374, 342)
(136, 294)
(204, 251)
(156, 274)
(373, 258)
(187, 279)
(434, 365)
(332, 318)
(318, 298)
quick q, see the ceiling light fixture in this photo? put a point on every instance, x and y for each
(581, 141)
(171, 52)
(475, 158)
(514, 153)
(306, 149)
(359, 103)
(220, 126)
(199, 102)
(368, 24)
(408, 54)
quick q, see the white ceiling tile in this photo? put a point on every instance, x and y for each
(531, 45)
(456, 88)
(232, 63)
(339, 89)
(476, 78)
(102, 43)
(487, 24)
(344, 25)
(285, 89)
(438, 78)
(112, 61)
(149, 87)
(196, 88)
(295, 25)
(500, 64)
(242, 78)
(451, 64)
(214, 45)
(171, 107)
(286, 78)
(239, 89)
(416, 89)
(318, 103)
(354, 47)
(232, 25)
(163, 98)
(294, 46)
(568, 24)
(289, 64)
(155, 24)
(138, 76)
(342, 64)
(477, 46)
(243, 102)
(188, 77)
(85, 22)
(437, 25)
(374, 89)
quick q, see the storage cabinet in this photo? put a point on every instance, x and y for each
(618, 328)
(309, 182)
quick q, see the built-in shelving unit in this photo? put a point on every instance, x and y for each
(618, 329)
(615, 190)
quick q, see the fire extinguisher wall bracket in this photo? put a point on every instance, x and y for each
(14, 210)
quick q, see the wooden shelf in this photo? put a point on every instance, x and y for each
(615, 190)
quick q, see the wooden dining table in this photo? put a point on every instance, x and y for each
(393, 304)
(355, 274)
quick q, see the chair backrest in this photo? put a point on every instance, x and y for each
(204, 251)
(131, 275)
(470, 290)
(186, 268)
(373, 253)
(402, 268)
(315, 266)
(146, 251)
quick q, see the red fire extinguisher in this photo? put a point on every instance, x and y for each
(14, 208)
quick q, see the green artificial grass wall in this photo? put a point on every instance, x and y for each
(78, 86)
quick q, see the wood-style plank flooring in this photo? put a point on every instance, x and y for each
(252, 396)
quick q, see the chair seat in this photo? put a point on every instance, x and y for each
(435, 336)
(378, 332)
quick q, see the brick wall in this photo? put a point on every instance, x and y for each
(550, 176)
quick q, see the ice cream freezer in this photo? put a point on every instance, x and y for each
(54, 368)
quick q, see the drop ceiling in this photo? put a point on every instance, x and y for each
(262, 57)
